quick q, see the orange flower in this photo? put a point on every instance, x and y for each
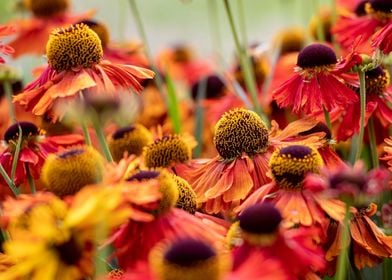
(32, 33)
(5, 49)
(76, 65)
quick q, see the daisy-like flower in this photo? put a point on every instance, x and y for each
(35, 148)
(369, 245)
(33, 32)
(378, 95)
(5, 30)
(368, 17)
(53, 240)
(221, 183)
(318, 82)
(383, 38)
(134, 240)
(259, 229)
(291, 193)
(76, 64)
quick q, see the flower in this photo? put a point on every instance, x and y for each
(76, 65)
(5, 30)
(53, 240)
(35, 148)
(294, 196)
(382, 39)
(362, 23)
(309, 91)
(378, 94)
(221, 183)
(66, 172)
(131, 139)
(259, 229)
(33, 32)
(369, 245)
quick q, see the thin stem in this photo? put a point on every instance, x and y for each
(327, 118)
(242, 22)
(30, 179)
(83, 124)
(362, 93)
(246, 66)
(8, 94)
(9, 182)
(101, 136)
(342, 266)
(199, 121)
(373, 143)
(216, 37)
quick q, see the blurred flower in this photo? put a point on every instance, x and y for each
(34, 150)
(382, 39)
(369, 245)
(362, 23)
(32, 33)
(386, 216)
(68, 171)
(260, 229)
(308, 91)
(5, 49)
(53, 240)
(378, 94)
(76, 65)
(322, 19)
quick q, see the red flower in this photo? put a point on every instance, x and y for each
(383, 39)
(34, 150)
(318, 82)
(76, 65)
(5, 49)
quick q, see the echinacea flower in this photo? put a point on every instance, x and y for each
(378, 95)
(33, 32)
(68, 171)
(382, 39)
(134, 240)
(5, 30)
(35, 148)
(369, 245)
(368, 17)
(76, 65)
(260, 230)
(291, 193)
(130, 139)
(54, 240)
(318, 82)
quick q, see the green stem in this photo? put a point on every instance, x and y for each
(216, 37)
(327, 118)
(83, 124)
(246, 66)
(387, 269)
(373, 143)
(242, 22)
(8, 94)
(342, 265)
(199, 120)
(320, 27)
(30, 179)
(362, 93)
(9, 182)
(101, 136)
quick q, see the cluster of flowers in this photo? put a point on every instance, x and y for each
(258, 195)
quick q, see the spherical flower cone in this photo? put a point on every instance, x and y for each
(68, 74)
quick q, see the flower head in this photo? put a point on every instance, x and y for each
(47, 8)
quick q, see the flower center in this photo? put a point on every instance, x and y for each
(379, 6)
(289, 165)
(100, 29)
(240, 131)
(377, 81)
(69, 252)
(189, 252)
(28, 130)
(70, 153)
(316, 55)
(186, 195)
(168, 150)
(182, 53)
(319, 127)
(46, 8)
(261, 218)
(360, 8)
(144, 175)
(291, 40)
(73, 47)
(130, 140)
(212, 85)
